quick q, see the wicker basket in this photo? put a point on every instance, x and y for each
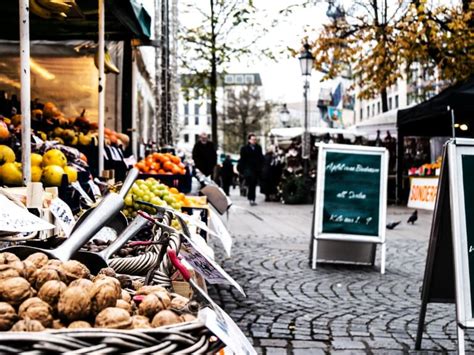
(185, 338)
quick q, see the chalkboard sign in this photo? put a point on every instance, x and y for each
(352, 193)
(351, 196)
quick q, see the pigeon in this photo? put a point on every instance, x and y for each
(414, 216)
(393, 224)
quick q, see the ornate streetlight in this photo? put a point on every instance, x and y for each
(284, 116)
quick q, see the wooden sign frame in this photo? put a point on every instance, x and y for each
(317, 227)
(448, 252)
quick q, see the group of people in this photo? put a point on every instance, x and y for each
(253, 167)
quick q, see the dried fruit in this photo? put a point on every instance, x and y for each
(79, 324)
(114, 318)
(51, 291)
(140, 322)
(74, 303)
(153, 303)
(38, 259)
(15, 290)
(27, 325)
(8, 316)
(72, 270)
(45, 274)
(165, 317)
(124, 305)
(146, 290)
(37, 309)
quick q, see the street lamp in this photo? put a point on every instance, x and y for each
(306, 64)
(284, 116)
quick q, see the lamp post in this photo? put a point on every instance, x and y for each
(306, 64)
(284, 116)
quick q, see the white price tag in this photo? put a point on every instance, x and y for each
(220, 323)
(15, 219)
(130, 161)
(63, 214)
(221, 232)
(208, 268)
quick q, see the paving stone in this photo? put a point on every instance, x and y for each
(276, 351)
(274, 342)
(347, 344)
(308, 344)
(308, 352)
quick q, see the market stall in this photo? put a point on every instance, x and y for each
(448, 114)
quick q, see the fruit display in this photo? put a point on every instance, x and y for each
(51, 9)
(427, 169)
(151, 190)
(48, 168)
(161, 163)
(38, 293)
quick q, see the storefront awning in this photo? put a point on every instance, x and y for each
(124, 19)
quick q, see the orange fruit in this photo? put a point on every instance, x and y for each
(161, 171)
(168, 166)
(174, 190)
(175, 159)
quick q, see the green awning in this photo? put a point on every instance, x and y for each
(124, 19)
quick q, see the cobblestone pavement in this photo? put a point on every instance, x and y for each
(335, 309)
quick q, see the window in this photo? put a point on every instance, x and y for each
(361, 114)
(378, 107)
(390, 103)
(208, 111)
(186, 120)
(196, 109)
(196, 137)
(186, 138)
(368, 111)
(396, 101)
(186, 108)
(373, 109)
(196, 120)
(208, 120)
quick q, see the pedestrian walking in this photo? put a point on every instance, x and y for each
(250, 166)
(204, 155)
(227, 174)
(271, 174)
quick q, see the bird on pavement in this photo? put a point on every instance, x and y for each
(393, 224)
(414, 216)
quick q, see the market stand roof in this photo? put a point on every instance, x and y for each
(432, 118)
(124, 19)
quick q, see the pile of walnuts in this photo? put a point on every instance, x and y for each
(39, 293)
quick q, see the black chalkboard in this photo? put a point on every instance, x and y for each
(468, 174)
(352, 193)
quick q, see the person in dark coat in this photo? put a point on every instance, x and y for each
(227, 174)
(250, 166)
(271, 174)
(204, 155)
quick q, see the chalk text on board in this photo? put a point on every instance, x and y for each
(339, 218)
(352, 195)
(471, 248)
(357, 168)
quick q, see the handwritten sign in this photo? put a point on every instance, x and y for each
(220, 323)
(423, 192)
(15, 219)
(352, 193)
(63, 214)
(200, 260)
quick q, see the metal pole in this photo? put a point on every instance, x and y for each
(453, 122)
(25, 90)
(101, 86)
(305, 151)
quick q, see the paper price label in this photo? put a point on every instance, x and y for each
(220, 323)
(63, 215)
(221, 231)
(208, 268)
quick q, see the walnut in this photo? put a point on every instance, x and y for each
(153, 303)
(114, 318)
(107, 271)
(104, 293)
(74, 303)
(36, 309)
(146, 290)
(124, 305)
(38, 259)
(57, 324)
(84, 283)
(8, 316)
(140, 322)
(126, 296)
(165, 317)
(188, 317)
(29, 270)
(45, 274)
(7, 258)
(102, 280)
(15, 290)
(55, 263)
(72, 270)
(27, 325)
(178, 302)
(51, 291)
(7, 270)
(79, 324)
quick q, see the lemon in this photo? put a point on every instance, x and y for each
(36, 173)
(52, 175)
(54, 157)
(7, 155)
(36, 159)
(11, 174)
(71, 173)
